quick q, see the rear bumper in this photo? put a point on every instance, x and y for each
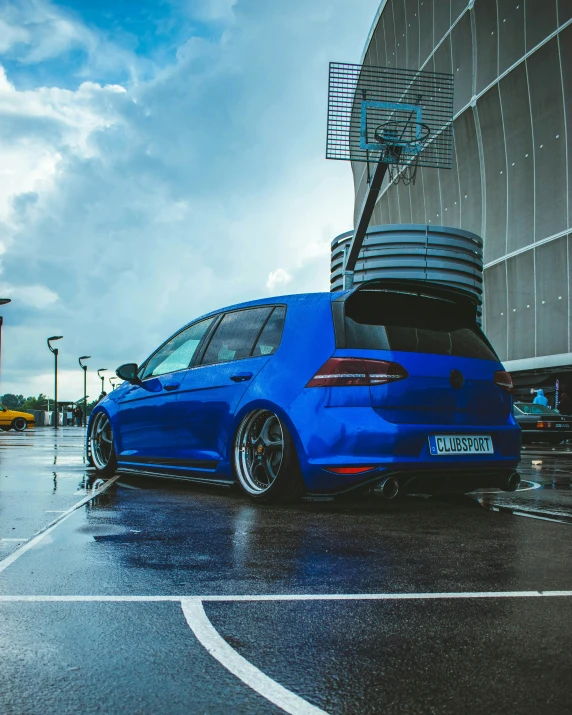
(358, 436)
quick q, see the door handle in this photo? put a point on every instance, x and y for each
(241, 376)
(171, 385)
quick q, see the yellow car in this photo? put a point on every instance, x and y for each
(12, 419)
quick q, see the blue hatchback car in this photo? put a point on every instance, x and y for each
(391, 386)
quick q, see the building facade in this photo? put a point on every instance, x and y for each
(512, 156)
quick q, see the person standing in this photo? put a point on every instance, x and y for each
(78, 414)
(540, 399)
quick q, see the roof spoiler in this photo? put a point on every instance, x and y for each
(419, 287)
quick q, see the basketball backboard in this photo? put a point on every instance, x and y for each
(370, 108)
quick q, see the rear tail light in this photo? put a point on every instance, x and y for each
(338, 371)
(504, 380)
(541, 425)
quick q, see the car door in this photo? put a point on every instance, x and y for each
(147, 411)
(237, 350)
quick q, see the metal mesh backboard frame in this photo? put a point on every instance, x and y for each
(363, 99)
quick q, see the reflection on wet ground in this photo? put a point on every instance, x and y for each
(42, 474)
(166, 540)
(546, 487)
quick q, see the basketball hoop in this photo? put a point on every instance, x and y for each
(394, 120)
(401, 142)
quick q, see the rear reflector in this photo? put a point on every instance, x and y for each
(503, 379)
(337, 372)
(349, 470)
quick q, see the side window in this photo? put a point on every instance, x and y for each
(270, 337)
(234, 338)
(178, 352)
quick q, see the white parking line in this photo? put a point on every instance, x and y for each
(11, 539)
(250, 675)
(52, 525)
(223, 598)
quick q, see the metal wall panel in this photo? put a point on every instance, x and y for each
(540, 21)
(441, 20)
(520, 307)
(389, 33)
(485, 12)
(469, 173)
(551, 298)
(400, 26)
(425, 30)
(511, 33)
(520, 162)
(404, 203)
(412, 19)
(462, 40)
(564, 11)
(450, 195)
(565, 46)
(442, 58)
(545, 85)
(458, 7)
(418, 200)
(496, 308)
(491, 121)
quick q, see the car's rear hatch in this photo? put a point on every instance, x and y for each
(432, 333)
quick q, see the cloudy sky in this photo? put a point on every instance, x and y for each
(160, 159)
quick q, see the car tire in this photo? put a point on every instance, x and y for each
(102, 445)
(264, 459)
(19, 424)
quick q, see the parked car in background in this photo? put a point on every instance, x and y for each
(542, 424)
(391, 386)
(13, 419)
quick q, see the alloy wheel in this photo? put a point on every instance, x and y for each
(101, 441)
(259, 451)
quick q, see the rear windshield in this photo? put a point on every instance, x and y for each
(413, 322)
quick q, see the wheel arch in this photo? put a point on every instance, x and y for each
(114, 431)
(265, 404)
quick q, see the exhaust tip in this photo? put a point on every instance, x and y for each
(388, 488)
(511, 483)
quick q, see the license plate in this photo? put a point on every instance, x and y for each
(444, 444)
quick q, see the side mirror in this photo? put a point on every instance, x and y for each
(128, 372)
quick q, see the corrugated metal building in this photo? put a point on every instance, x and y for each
(512, 160)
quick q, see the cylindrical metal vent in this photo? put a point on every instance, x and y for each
(440, 254)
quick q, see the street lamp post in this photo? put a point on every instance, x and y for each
(3, 301)
(84, 368)
(102, 378)
(112, 381)
(55, 352)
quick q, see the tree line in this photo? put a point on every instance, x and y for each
(29, 404)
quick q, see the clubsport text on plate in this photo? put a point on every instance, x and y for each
(320, 393)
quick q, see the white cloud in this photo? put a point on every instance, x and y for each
(42, 30)
(35, 296)
(279, 277)
(11, 35)
(139, 208)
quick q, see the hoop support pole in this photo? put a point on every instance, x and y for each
(366, 212)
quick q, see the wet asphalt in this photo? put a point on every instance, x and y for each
(157, 539)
